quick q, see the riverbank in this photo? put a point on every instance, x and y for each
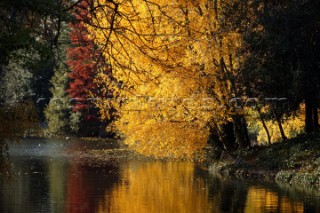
(295, 161)
(105, 151)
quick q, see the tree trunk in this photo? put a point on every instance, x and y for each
(228, 137)
(245, 130)
(309, 124)
(315, 118)
(241, 131)
(216, 143)
(275, 114)
(264, 125)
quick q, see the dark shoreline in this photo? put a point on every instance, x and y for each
(294, 162)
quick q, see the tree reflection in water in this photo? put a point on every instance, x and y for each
(6, 173)
(264, 200)
(86, 184)
(180, 187)
(46, 181)
(157, 187)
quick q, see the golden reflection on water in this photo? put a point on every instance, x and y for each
(144, 187)
(43, 184)
(174, 187)
(263, 200)
(157, 187)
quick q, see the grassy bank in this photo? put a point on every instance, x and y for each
(295, 161)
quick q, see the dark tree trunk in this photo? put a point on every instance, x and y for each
(217, 145)
(264, 125)
(241, 131)
(278, 119)
(245, 131)
(315, 118)
(310, 116)
(228, 137)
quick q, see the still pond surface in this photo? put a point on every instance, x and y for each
(46, 178)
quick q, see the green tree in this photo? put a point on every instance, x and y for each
(58, 111)
(59, 116)
(17, 71)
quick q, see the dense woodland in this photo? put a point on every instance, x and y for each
(167, 77)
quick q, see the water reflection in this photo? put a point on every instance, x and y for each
(264, 200)
(47, 183)
(157, 187)
(57, 184)
(86, 185)
(179, 187)
(28, 188)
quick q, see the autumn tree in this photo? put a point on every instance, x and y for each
(80, 59)
(84, 59)
(177, 66)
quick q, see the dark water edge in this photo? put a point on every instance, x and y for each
(295, 161)
(49, 176)
(310, 180)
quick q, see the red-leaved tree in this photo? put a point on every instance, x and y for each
(83, 59)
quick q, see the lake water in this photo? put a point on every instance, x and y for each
(46, 178)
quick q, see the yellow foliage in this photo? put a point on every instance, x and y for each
(166, 139)
(168, 58)
(292, 125)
